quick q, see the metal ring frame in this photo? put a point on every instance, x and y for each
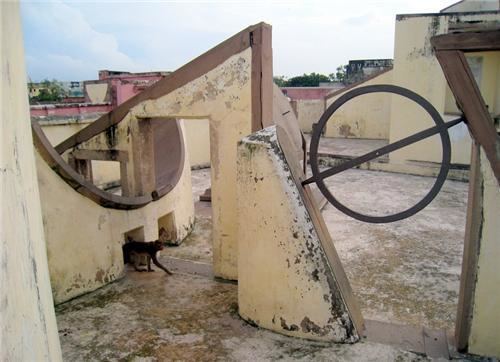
(441, 128)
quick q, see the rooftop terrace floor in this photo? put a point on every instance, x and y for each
(405, 272)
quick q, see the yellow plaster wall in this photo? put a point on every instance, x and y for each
(28, 330)
(485, 336)
(416, 68)
(198, 142)
(57, 131)
(121, 136)
(97, 92)
(367, 116)
(105, 172)
(284, 281)
(308, 112)
(489, 83)
(223, 95)
(86, 254)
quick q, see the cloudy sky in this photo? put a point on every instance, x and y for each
(72, 40)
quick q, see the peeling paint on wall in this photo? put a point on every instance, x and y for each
(279, 251)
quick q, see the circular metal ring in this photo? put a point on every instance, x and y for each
(445, 142)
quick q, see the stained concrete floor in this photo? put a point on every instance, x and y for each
(405, 272)
(346, 146)
(155, 317)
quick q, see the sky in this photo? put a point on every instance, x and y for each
(72, 40)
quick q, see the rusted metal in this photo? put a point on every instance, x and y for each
(440, 128)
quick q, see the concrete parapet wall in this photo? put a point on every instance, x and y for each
(28, 330)
(57, 131)
(198, 142)
(308, 112)
(367, 116)
(285, 282)
(417, 68)
(84, 239)
(197, 135)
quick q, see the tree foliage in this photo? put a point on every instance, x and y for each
(312, 79)
(340, 74)
(280, 80)
(49, 91)
(307, 80)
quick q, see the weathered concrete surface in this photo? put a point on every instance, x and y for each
(222, 95)
(197, 245)
(286, 281)
(416, 68)
(87, 254)
(367, 116)
(405, 272)
(308, 112)
(346, 146)
(152, 317)
(334, 150)
(200, 181)
(28, 330)
(484, 336)
(149, 316)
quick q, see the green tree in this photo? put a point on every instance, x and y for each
(51, 91)
(280, 80)
(307, 80)
(340, 74)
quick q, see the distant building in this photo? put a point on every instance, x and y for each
(116, 87)
(91, 98)
(358, 70)
(472, 6)
(73, 88)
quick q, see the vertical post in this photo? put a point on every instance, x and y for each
(473, 227)
(262, 77)
(83, 167)
(124, 178)
(144, 179)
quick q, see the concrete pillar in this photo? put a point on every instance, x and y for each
(484, 334)
(28, 330)
(286, 278)
(144, 178)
